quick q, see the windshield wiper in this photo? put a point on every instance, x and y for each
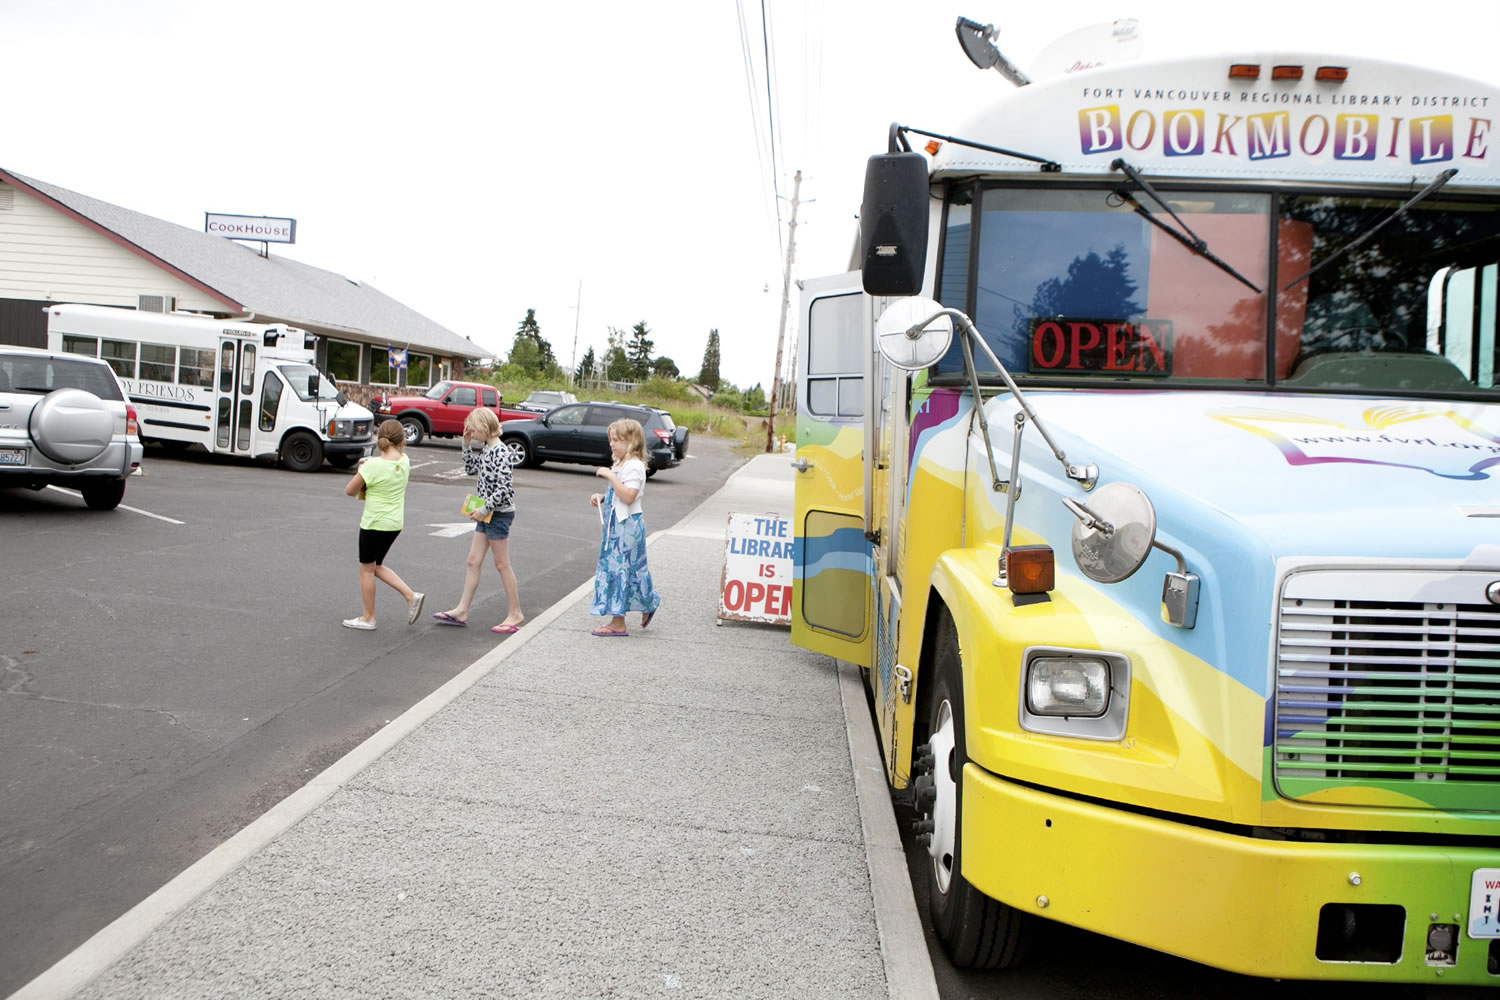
(1442, 178)
(1186, 236)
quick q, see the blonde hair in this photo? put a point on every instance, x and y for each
(390, 432)
(630, 432)
(482, 422)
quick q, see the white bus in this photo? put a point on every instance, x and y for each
(234, 388)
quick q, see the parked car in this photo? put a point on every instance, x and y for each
(441, 410)
(64, 421)
(579, 432)
(545, 400)
(679, 434)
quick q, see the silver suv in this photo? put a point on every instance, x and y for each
(64, 420)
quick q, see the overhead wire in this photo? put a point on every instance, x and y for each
(771, 211)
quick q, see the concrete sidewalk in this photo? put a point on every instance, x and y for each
(698, 811)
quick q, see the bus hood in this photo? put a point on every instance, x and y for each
(1304, 474)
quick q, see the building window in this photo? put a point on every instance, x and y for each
(418, 369)
(343, 361)
(380, 367)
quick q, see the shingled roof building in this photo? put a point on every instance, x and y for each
(58, 246)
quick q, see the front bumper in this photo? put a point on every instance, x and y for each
(1247, 905)
(359, 449)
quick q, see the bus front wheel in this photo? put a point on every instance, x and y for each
(302, 452)
(976, 931)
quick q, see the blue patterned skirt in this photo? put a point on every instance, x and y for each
(622, 582)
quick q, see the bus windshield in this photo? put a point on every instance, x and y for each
(1098, 284)
(299, 377)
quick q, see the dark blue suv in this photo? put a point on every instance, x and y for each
(579, 432)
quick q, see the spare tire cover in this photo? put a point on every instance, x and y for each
(72, 426)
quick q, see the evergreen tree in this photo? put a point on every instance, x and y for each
(639, 351)
(708, 373)
(586, 366)
(542, 361)
(616, 361)
(524, 353)
(755, 398)
(664, 367)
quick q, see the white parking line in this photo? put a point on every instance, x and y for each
(133, 510)
(418, 465)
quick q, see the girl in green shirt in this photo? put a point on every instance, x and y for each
(381, 483)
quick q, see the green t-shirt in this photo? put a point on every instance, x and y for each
(385, 493)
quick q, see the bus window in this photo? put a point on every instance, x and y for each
(835, 365)
(247, 369)
(158, 362)
(195, 366)
(121, 356)
(270, 401)
(1461, 321)
(226, 374)
(74, 344)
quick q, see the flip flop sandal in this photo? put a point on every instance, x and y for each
(504, 629)
(609, 633)
(444, 618)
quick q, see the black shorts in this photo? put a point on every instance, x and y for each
(373, 545)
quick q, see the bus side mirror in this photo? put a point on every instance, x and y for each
(893, 224)
(312, 385)
(269, 338)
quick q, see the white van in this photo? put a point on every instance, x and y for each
(232, 387)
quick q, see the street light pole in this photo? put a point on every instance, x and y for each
(577, 311)
(786, 292)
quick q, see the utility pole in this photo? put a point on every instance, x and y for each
(573, 371)
(786, 292)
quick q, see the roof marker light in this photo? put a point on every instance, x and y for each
(1333, 74)
(1244, 71)
(1286, 72)
(932, 147)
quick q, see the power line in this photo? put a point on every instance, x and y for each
(765, 44)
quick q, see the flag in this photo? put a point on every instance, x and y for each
(398, 358)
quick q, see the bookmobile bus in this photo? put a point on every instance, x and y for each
(234, 388)
(1150, 465)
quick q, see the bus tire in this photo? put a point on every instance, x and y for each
(104, 496)
(414, 430)
(301, 451)
(976, 932)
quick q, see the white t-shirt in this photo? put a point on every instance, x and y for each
(631, 472)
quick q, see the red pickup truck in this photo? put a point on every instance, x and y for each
(440, 411)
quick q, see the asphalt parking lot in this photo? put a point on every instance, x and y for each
(171, 669)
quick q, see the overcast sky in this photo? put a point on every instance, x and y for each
(601, 162)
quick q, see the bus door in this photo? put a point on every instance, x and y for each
(831, 556)
(234, 396)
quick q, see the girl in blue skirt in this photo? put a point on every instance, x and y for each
(623, 582)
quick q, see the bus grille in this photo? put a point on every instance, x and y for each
(1395, 696)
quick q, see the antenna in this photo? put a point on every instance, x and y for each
(978, 41)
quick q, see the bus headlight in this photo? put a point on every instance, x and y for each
(1074, 692)
(1065, 685)
(340, 428)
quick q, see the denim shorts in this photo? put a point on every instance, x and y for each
(498, 526)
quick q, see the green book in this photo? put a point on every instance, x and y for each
(473, 503)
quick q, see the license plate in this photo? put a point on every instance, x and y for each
(13, 456)
(1484, 904)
